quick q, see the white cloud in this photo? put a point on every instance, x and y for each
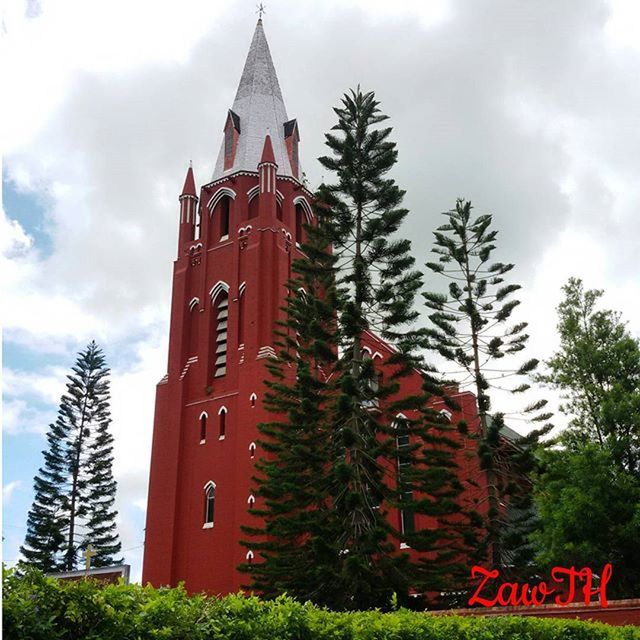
(529, 109)
(9, 489)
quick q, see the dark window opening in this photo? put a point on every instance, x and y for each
(203, 428)
(222, 423)
(279, 210)
(299, 223)
(224, 217)
(253, 207)
(209, 504)
(403, 445)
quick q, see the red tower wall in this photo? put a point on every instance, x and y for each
(257, 254)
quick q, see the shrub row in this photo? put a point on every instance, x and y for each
(36, 607)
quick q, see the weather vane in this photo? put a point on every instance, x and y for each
(260, 10)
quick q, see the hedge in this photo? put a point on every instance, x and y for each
(36, 607)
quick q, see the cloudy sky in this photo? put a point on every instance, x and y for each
(529, 109)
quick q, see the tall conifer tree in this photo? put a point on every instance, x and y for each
(347, 446)
(469, 329)
(390, 449)
(291, 539)
(75, 488)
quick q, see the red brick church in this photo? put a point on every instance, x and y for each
(238, 237)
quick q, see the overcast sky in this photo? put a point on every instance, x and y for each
(529, 109)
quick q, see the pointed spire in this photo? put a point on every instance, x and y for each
(260, 109)
(267, 151)
(189, 188)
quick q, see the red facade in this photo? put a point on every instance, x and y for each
(228, 286)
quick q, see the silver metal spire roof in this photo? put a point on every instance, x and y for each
(261, 109)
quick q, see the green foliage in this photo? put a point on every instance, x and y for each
(469, 329)
(38, 608)
(338, 462)
(598, 370)
(589, 510)
(75, 488)
(295, 530)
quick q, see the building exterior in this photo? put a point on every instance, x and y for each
(228, 286)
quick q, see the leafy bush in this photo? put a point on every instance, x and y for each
(36, 607)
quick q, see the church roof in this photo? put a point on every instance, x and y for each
(260, 109)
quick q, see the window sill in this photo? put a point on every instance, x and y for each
(221, 437)
(223, 238)
(207, 525)
(404, 545)
(202, 441)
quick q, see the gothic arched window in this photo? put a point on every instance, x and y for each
(225, 208)
(279, 210)
(220, 327)
(403, 447)
(241, 315)
(299, 223)
(253, 207)
(222, 423)
(209, 504)
(203, 427)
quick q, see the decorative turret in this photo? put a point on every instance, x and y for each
(267, 180)
(188, 209)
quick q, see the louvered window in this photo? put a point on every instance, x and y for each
(403, 444)
(221, 319)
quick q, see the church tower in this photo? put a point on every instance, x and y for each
(237, 240)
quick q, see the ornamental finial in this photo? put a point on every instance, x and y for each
(261, 10)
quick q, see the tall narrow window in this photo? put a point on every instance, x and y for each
(253, 207)
(221, 317)
(241, 316)
(203, 427)
(222, 423)
(299, 223)
(252, 450)
(209, 504)
(193, 328)
(403, 446)
(279, 210)
(224, 217)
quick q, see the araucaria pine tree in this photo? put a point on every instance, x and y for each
(75, 489)
(469, 329)
(384, 439)
(345, 446)
(293, 532)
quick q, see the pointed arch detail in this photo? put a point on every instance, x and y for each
(218, 195)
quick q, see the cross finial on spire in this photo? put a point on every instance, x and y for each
(261, 10)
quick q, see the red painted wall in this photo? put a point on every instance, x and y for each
(258, 254)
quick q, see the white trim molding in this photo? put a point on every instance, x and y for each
(218, 195)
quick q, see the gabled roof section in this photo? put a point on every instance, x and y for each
(290, 127)
(260, 109)
(235, 120)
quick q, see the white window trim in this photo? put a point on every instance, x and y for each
(207, 525)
